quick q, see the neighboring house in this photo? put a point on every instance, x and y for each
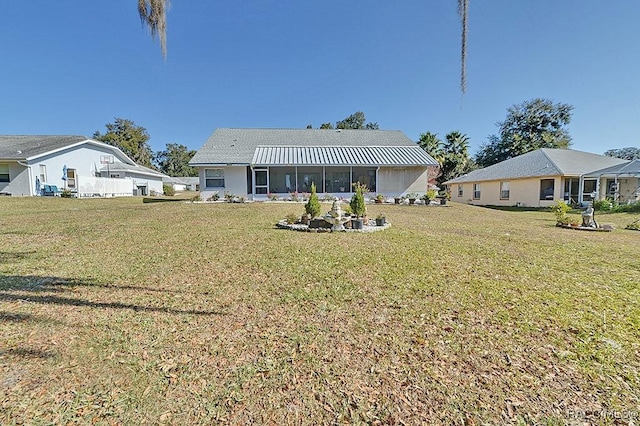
(184, 183)
(85, 167)
(620, 182)
(534, 179)
(257, 162)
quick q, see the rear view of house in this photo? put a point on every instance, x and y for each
(45, 165)
(257, 162)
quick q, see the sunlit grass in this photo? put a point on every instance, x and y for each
(121, 312)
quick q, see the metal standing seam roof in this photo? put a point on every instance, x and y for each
(341, 156)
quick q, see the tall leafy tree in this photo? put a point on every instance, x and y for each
(456, 160)
(535, 124)
(174, 161)
(356, 121)
(132, 139)
(326, 126)
(628, 153)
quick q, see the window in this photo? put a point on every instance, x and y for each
(460, 190)
(214, 178)
(43, 173)
(547, 189)
(4, 173)
(476, 191)
(504, 190)
(71, 178)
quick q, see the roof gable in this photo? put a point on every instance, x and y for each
(28, 147)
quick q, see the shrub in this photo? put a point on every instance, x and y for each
(295, 197)
(229, 197)
(168, 190)
(635, 225)
(560, 210)
(66, 193)
(358, 207)
(627, 208)
(196, 198)
(605, 204)
(291, 218)
(214, 197)
(313, 205)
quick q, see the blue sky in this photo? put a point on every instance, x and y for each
(71, 66)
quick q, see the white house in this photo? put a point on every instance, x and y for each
(257, 162)
(85, 167)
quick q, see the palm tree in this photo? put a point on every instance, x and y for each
(430, 143)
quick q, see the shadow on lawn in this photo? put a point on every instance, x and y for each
(9, 256)
(12, 289)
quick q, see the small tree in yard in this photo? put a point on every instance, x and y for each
(560, 210)
(357, 204)
(313, 205)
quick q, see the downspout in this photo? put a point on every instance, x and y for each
(378, 182)
(29, 172)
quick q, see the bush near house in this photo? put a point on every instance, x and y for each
(168, 190)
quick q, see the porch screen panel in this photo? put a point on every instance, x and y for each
(308, 176)
(337, 179)
(282, 180)
(366, 176)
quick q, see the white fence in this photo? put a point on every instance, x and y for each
(104, 187)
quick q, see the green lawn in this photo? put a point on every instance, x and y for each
(118, 312)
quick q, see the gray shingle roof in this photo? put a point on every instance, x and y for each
(630, 168)
(21, 147)
(541, 162)
(238, 146)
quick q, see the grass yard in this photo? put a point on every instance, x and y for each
(118, 312)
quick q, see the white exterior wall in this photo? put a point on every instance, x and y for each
(19, 183)
(85, 159)
(523, 192)
(402, 180)
(235, 181)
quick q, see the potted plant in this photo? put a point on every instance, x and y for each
(358, 207)
(379, 199)
(444, 197)
(412, 197)
(398, 199)
(380, 219)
